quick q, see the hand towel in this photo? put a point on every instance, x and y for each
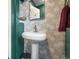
(64, 19)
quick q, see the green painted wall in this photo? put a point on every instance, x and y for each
(42, 11)
(67, 44)
(17, 29)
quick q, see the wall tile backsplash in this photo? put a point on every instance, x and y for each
(39, 23)
(30, 25)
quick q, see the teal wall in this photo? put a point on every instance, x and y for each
(67, 44)
(42, 12)
(17, 29)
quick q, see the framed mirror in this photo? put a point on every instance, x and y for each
(32, 9)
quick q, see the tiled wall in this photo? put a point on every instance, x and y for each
(30, 24)
(55, 39)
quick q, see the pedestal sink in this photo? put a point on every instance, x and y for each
(35, 37)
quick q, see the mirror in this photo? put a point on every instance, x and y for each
(32, 9)
(34, 12)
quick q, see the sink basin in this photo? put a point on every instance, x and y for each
(35, 36)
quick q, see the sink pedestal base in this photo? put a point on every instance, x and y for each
(35, 51)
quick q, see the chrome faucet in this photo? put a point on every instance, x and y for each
(35, 28)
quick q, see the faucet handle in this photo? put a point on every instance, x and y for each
(35, 28)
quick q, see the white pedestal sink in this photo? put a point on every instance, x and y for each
(35, 37)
